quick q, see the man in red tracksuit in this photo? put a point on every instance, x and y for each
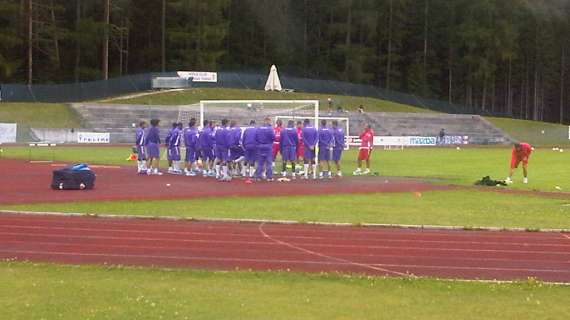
(521, 152)
(365, 150)
(277, 143)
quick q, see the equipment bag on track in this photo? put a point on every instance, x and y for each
(74, 177)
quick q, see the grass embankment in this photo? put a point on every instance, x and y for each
(39, 115)
(191, 96)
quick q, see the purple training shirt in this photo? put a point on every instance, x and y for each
(191, 138)
(248, 139)
(338, 138)
(289, 137)
(325, 137)
(264, 135)
(175, 135)
(310, 136)
(140, 140)
(153, 135)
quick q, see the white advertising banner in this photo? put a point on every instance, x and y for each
(397, 141)
(199, 76)
(93, 137)
(8, 132)
(390, 141)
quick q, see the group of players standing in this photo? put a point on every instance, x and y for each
(226, 150)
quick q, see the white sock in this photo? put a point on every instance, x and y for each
(217, 170)
(314, 170)
(225, 171)
(306, 169)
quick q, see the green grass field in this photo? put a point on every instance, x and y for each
(40, 291)
(195, 95)
(547, 168)
(465, 207)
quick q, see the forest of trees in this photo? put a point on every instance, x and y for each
(501, 56)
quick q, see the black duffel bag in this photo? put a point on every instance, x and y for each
(74, 177)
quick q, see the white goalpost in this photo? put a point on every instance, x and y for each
(244, 111)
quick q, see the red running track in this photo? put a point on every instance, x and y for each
(303, 248)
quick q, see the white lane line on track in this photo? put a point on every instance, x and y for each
(476, 268)
(333, 261)
(257, 251)
(383, 240)
(147, 256)
(263, 243)
(213, 249)
(286, 225)
(362, 265)
(566, 236)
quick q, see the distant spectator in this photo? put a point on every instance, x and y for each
(441, 136)
(360, 109)
(339, 109)
(330, 101)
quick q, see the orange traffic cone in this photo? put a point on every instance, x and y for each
(132, 157)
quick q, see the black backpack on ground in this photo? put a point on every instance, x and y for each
(487, 181)
(74, 177)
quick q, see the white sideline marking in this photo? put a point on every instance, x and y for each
(566, 236)
(282, 222)
(329, 257)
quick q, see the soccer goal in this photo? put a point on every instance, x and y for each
(243, 111)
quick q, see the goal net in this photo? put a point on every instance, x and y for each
(243, 111)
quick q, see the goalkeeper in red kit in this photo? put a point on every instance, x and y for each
(521, 153)
(365, 150)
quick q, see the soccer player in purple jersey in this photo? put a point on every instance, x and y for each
(141, 149)
(325, 148)
(152, 147)
(310, 140)
(338, 146)
(205, 143)
(191, 143)
(236, 149)
(222, 151)
(264, 138)
(167, 145)
(250, 147)
(289, 141)
(174, 149)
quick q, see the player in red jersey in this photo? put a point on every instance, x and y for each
(300, 146)
(277, 143)
(521, 152)
(365, 150)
